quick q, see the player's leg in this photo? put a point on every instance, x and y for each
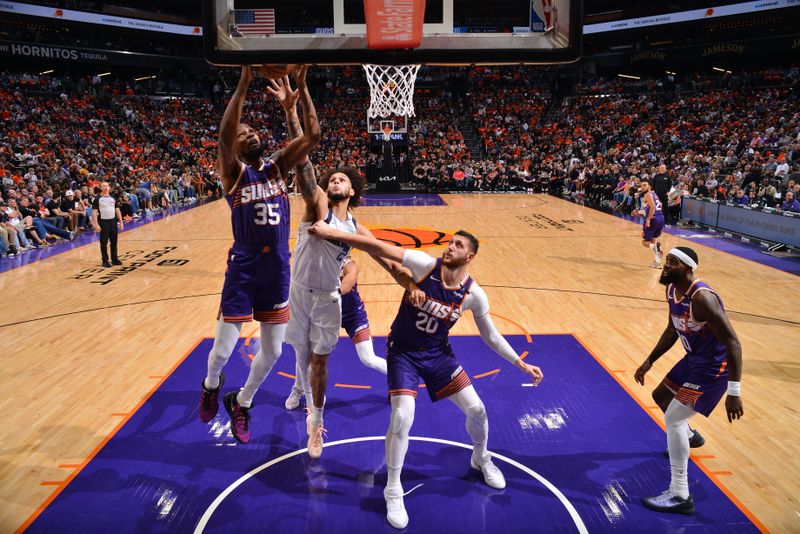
(400, 421)
(362, 340)
(224, 341)
(666, 390)
(238, 404)
(478, 429)
(236, 307)
(403, 379)
(323, 336)
(293, 400)
(677, 498)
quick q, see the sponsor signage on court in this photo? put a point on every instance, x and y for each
(132, 260)
(20, 8)
(543, 222)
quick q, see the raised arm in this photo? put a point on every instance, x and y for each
(315, 199)
(228, 165)
(299, 148)
(706, 307)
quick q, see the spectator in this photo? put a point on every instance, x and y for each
(791, 203)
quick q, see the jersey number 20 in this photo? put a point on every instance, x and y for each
(267, 214)
(426, 323)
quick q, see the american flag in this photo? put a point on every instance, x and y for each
(255, 21)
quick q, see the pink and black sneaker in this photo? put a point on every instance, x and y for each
(209, 403)
(240, 417)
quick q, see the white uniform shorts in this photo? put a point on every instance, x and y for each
(316, 319)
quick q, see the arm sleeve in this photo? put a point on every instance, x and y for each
(478, 303)
(419, 263)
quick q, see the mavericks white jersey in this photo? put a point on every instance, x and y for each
(318, 263)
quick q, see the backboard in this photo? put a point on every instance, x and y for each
(334, 32)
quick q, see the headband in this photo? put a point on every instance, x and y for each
(681, 255)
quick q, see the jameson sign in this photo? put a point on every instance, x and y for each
(72, 53)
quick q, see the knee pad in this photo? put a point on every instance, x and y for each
(677, 414)
(477, 413)
(401, 422)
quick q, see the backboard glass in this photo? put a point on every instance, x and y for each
(333, 32)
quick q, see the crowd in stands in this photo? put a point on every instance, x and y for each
(731, 138)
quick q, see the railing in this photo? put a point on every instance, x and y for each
(766, 224)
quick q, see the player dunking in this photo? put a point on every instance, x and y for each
(257, 278)
(653, 221)
(419, 348)
(355, 323)
(712, 366)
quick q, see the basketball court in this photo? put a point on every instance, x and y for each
(101, 430)
(109, 438)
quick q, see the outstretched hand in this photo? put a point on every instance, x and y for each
(300, 75)
(535, 373)
(282, 90)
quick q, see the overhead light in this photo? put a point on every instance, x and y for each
(46, 72)
(144, 78)
(670, 72)
(719, 69)
(104, 74)
(629, 76)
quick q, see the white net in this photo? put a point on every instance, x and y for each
(391, 89)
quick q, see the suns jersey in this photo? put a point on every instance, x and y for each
(657, 203)
(702, 347)
(318, 262)
(260, 208)
(429, 325)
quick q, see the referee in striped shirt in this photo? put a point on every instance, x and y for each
(105, 209)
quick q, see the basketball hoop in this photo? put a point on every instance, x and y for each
(391, 90)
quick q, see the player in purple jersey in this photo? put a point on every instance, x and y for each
(653, 221)
(355, 323)
(712, 367)
(257, 278)
(418, 348)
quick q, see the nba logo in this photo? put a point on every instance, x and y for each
(542, 15)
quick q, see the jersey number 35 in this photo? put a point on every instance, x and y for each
(267, 214)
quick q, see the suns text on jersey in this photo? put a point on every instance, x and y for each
(440, 310)
(260, 190)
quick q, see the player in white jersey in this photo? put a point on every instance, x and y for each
(314, 295)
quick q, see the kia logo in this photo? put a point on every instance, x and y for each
(387, 178)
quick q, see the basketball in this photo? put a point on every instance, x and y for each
(274, 72)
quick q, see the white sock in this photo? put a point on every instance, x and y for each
(225, 340)
(302, 353)
(366, 353)
(677, 420)
(397, 437)
(271, 343)
(316, 415)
